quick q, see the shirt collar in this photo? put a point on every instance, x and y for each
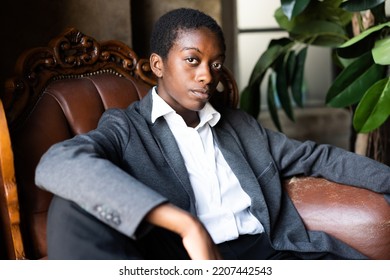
(160, 109)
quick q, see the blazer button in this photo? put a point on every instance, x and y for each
(108, 214)
(116, 220)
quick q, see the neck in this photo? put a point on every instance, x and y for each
(191, 119)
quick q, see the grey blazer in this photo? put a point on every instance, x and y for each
(128, 165)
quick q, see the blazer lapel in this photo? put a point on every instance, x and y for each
(168, 146)
(234, 155)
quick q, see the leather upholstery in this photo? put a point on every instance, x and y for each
(66, 108)
(359, 217)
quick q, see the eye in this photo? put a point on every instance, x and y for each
(217, 66)
(191, 60)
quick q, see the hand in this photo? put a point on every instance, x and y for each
(198, 243)
(196, 239)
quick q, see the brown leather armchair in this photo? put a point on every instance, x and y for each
(61, 90)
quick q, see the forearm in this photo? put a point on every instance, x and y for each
(171, 218)
(196, 239)
(73, 173)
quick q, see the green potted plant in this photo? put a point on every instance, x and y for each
(361, 52)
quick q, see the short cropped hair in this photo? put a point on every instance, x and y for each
(168, 27)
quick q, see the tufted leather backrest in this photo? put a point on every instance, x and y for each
(57, 92)
(67, 107)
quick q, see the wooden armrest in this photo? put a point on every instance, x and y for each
(9, 205)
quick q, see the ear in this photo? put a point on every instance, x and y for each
(156, 64)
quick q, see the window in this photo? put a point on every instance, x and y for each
(256, 28)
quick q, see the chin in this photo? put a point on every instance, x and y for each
(198, 107)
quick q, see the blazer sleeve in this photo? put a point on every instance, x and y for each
(319, 160)
(293, 157)
(85, 170)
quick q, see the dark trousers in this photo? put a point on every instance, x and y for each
(74, 234)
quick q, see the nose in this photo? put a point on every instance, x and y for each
(204, 74)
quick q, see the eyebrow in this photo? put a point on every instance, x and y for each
(199, 51)
(191, 48)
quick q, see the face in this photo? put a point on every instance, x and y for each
(190, 73)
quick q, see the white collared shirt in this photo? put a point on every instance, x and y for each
(221, 203)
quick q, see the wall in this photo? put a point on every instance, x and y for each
(320, 124)
(146, 12)
(26, 24)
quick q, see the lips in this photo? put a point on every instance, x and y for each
(201, 93)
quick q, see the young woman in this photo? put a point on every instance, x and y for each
(172, 178)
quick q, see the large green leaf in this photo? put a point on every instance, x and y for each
(364, 34)
(319, 27)
(328, 11)
(381, 51)
(374, 108)
(316, 31)
(357, 6)
(251, 95)
(319, 32)
(292, 8)
(297, 80)
(250, 100)
(342, 62)
(264, 62)
(330, 40)
(275, 49)
(271, 95)
(282, 87)
(361, 43)
(290, 65)
(351, 84)
(283, 20)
